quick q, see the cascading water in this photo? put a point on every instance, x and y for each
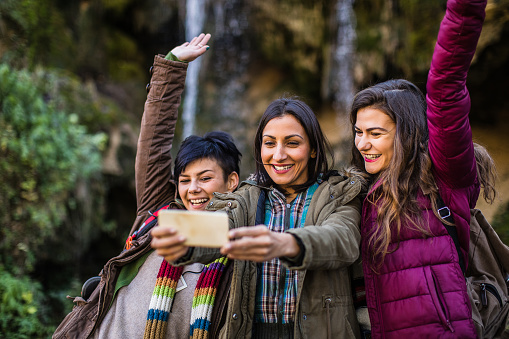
(232, 55)
(195, 19)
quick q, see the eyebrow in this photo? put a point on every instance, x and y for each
(373, 128)
(199, 173)
(287, 137)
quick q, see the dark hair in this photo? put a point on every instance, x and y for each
(410, 169)
(404, 103)
(317, 140)
(217, 145)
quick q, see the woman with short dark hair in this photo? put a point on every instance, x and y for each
(138, 293)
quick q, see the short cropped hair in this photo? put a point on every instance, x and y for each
(217, 145)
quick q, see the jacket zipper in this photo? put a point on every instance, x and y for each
(444, 314)
(328, 301)
(485, 287)
(298, 312)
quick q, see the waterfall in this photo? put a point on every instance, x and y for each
(232, 56)
(342, 72)
(195, 19)
(343, 56)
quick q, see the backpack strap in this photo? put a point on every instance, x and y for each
(260, 219)
(145, 227)
(445, 214)
(260, 208)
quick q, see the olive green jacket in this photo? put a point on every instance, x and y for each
(330, 238)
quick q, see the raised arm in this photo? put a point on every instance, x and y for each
(154, 186)
(448, 100)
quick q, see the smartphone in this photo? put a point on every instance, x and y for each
(201, 228)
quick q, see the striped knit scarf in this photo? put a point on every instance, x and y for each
(203, 300)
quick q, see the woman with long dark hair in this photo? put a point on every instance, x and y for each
(417, 151)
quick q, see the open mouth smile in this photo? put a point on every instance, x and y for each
(371, 157)
(282, 168)
(198, 202)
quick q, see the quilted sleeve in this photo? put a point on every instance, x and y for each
(448, 100)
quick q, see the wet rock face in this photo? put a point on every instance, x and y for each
(262, 50)
(489, 74)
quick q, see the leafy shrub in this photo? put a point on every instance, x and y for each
(501, 222)
(34, 32)
(20, 305)
(45, 154)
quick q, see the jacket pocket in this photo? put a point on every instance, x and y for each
(489, 307)
(486, 288)
(74, 324)
(333, 319)
(438, 298)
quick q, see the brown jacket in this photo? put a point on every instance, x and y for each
(154, 188)
(331, 239)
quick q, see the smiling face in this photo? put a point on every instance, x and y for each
(285, 152)
(374, 138)
(200, 179)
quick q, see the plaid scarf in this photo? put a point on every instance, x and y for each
(203, 300)
(277, 285)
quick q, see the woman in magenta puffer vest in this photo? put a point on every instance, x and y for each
(415, 151)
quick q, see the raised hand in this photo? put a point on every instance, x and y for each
(189, 51)
(258, 243)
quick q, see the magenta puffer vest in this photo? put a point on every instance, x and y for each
(420, 291)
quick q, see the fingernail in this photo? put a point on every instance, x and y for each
(208, 48)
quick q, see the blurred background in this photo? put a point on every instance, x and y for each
(72, 87)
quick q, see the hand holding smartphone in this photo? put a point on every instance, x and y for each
(201, 228)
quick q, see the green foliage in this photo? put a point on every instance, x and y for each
(397, 36)
(116, 5)
(124, 62)
(20, 305)
(81, 38)
(44, 155)
(34, 32)
(501, 223)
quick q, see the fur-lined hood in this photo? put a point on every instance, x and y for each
(351, 172)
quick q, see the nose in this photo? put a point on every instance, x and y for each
(279, 153)
(194, 187)
(362, 143)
